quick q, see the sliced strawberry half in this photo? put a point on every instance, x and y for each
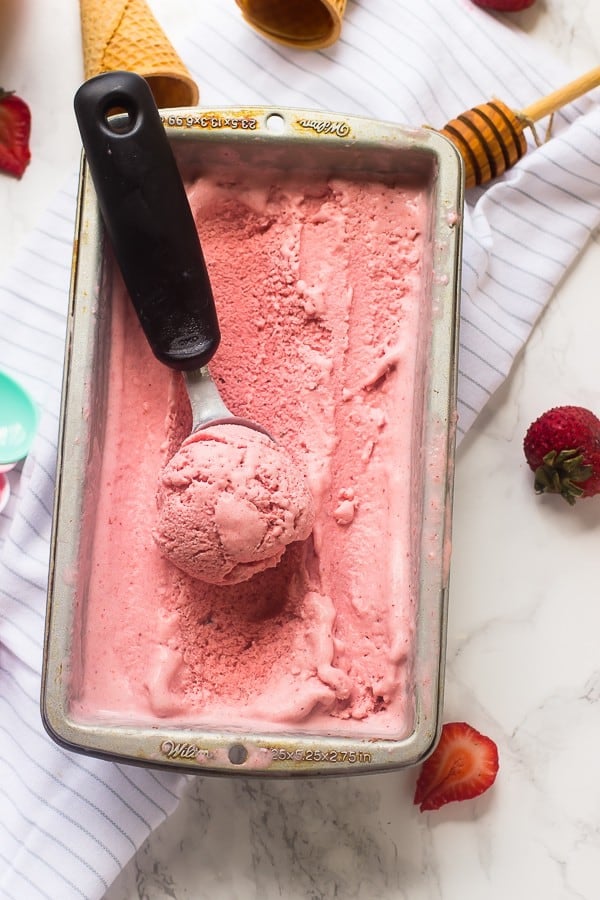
(15, 128)
(463, 765)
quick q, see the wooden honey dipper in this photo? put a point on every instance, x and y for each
(491, 138)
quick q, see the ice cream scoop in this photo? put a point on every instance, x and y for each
(155, 241)
(147, 217)
(18, 421)
(152, 231)
(230, 501)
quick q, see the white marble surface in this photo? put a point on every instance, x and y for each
(524, 626)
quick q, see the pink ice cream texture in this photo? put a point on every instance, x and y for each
(230, 501)
(324, 288)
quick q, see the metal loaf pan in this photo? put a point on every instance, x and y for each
(288, 139)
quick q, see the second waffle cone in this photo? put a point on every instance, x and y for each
(306, 24)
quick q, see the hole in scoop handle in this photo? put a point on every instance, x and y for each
(148, 218)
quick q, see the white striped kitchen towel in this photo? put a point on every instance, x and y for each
(68, 823)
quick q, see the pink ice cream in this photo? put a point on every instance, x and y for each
(229, 502)
(323, 292)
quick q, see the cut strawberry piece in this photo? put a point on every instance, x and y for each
(463, 765)
(15, 128)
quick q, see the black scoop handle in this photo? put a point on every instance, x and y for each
(148, 218)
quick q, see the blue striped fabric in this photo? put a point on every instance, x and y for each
(69, 823)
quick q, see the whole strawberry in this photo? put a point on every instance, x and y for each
(15, 128)
(505, 5)
(562, 447)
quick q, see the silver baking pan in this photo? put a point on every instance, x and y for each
(327, 144)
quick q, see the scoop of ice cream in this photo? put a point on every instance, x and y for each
(229, 502)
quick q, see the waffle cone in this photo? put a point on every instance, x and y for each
(307, 24)
(124, 35)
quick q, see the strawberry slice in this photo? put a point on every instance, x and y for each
(463, 765)
(15, 128)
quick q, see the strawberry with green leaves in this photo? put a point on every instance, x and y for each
(562, 448)
(463, 765)
(15, 129)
